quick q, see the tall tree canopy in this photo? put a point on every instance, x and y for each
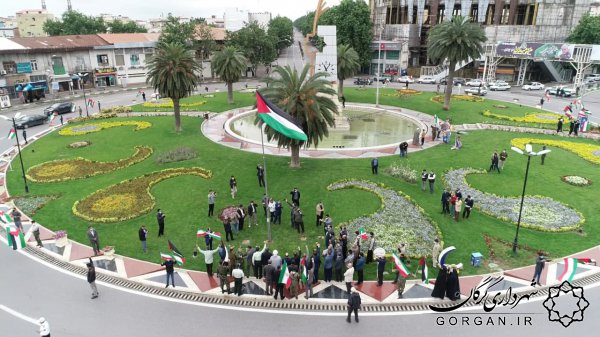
(347, 63)
(587, 31)
(229, 64)
(118, 26)
(75, 23)
(304, 23)
(175, 31)
(256, 45)
(281, 30)
(455, 41)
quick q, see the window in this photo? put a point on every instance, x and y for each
(119, 60)
(9, 67)
(34, 65)
(102, 59)
(392, 54)
(134, 60)
(147, 56)
(36, 78)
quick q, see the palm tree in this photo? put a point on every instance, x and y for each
(347, 64)
(308, 100)
(172, 71)
(454, 42)
(229, 64)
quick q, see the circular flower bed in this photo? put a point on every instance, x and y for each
(95, 127)
(539, 212)
(78, 168)
(576, 181)
(467, 98)
(533, 117)
(398, 220)
(404, 92)
(583, 150)
(77, 145)
(130, 198)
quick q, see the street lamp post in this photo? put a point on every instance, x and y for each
(14, 125)
(378, 72)
(529, 153)
(81, 76)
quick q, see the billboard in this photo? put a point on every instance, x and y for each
(23, 67)
(536, 50)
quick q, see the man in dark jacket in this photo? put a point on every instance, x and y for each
(143, 235)
(260, 173)
(353, 305)
(380, 269)
(160, 217)
(169, 268)
(446, 202)
(360, 266)
(295, 196)
(252, 214)
(469, 202)
(279, 286)
(91, 278)
(265, 257)
(268, 277)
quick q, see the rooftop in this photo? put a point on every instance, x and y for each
(129, 37)
(60, 42)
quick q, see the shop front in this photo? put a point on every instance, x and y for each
(105, 77)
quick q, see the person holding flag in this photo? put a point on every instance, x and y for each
(208, 259)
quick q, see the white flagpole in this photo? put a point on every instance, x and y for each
(262, 142)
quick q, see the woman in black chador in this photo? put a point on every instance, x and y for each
(439, 289)
(452, 285)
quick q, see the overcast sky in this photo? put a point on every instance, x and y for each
(145, 9)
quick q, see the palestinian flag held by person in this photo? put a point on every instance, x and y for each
(15, 238)
(570, 269)
(436, 121)
(5, 218)
(90, 103)
(11, 134)
(180, 260)
(284, 277)
(400, 266)
(424, 270)
(174, 249)
(363, 234)
(278, 119)
(215, 235)
(304, 274)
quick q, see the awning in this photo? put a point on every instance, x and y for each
(75, 77)
(62, 78)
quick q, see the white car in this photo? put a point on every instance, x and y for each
(426, 79)
(475, 83)
(406, 79)
(533, 86)
(477, 91)
(499, 86)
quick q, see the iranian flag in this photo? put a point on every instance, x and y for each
(424, 270)
(15, 238)
(201, 232)
(586, 261)
(278, 119)
(214, 235)
(172, 256)
(4, 217)
(11, 134)
(570, 269)
(400, 266)
(363, 234)
(284, 277)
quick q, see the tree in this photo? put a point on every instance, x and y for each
(175, 31)
(455, 41)
(229, 64)
(118, 26)
(587, 31)
(281, 30)
(347, 64)
(354, 28)
(172, 71)
(308, 100)
(256, 45)
(75, 23)
(204, 42)
(304, 23)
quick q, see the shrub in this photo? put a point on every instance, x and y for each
(402, 171)
(178, 154)
(116, 109)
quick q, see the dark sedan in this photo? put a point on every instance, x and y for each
(59, 108)
(28, 121)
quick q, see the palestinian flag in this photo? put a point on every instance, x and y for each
(278, 119)
(11, 134)
(15, 238)
(436, 121)
(444, 254)
(90, 102)
(304, 274)
(424, 270)
(180, 260)
(586, 261)
(570, 269)
(284, 277)
(400, 266)
(174, 249)
(4, 217)
(363, 234)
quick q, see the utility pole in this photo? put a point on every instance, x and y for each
(69, 8)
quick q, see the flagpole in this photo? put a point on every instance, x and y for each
(262, 142)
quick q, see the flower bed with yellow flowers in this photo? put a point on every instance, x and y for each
(466, 98)
(77, 130)
(168, 103)
(589, 152)
(399, 219)
(79, 168)
(533, 117)
(130, 198)
(404, 92)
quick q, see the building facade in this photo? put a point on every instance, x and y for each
(30, 22)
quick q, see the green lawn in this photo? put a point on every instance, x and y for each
(215, 102)
(183, 199)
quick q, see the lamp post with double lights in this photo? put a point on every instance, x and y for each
(529, 153)
(14, 125)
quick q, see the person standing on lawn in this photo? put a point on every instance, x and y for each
(457, 209)
(374, 165)
(424, 177)
(143, 235)
(295, 196)
(431, 179)
(208, 258)
(233, 186)
(211, 202)
(372, 243)
(320, 211)
(503, 156)
(469, 202)
(260, 174)
(446, 201)
(160, 218)
(494, 162)
(252, 214)
(360, 266)
(241, 215)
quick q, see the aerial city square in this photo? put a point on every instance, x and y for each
(324, 167)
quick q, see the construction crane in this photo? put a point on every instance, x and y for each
(43, 4)
(320, 10)
(69, 8)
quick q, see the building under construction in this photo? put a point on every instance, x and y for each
(402, 26)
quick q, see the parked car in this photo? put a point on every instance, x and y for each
(475, 83)
(594, 77)
(24, 122)
(384, 78)
(406, 79)
(561, 91)
(363, 81)
(426, 79)
(499, 86)
(456, 81)
(478, 91)
(533, 86)
(59, 108)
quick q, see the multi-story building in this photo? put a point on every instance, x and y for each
(235, 19)
(401, 27)
(31, 22)
(215, 21)
(261, 18)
